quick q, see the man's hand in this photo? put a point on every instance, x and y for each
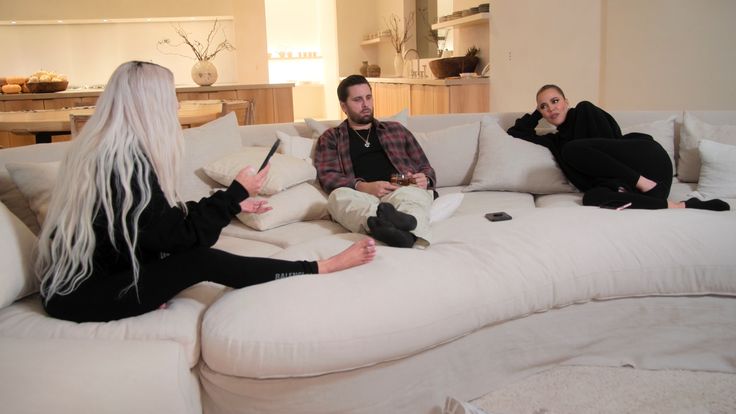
(251, 205)
(419, 179)
(376, 188)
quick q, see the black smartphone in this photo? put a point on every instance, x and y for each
(274, 147)
(498, 216)
(615, 205)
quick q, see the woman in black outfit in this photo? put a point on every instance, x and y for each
(118, 241)
(601, 162)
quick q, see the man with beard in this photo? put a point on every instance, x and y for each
(355, 162)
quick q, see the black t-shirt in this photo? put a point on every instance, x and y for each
(369, 163)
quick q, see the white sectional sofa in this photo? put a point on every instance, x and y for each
(487, 303)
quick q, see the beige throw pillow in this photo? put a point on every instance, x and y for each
(296, 146)
(17, 277)
(506, 163)
(203, 145)
(36, 181)
(717, 170)
(286, 170)
(452, 152)
(693, 131)
(302, 202)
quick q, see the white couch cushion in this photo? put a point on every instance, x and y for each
(179, 322)
(717, 170)
(451, 152)
(506, 163)
(17, 277)
(202, 145)
(302, 202)
(296, 146)
(476, 273)
(693, 131)
(13, 199)
(36, 181)
(287, 235)
(286, 171)
(78, 376)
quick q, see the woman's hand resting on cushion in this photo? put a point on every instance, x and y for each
(252, 205)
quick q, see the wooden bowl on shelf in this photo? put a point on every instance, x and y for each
(46, 87)
(453, 66)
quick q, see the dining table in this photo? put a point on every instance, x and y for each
(49, 122)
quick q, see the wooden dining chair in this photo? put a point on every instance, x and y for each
(76, 123)
(244, 110)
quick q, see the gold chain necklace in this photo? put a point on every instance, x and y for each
(366, 140)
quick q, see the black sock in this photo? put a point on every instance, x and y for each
(400, 220)
(714, 204)
(385, 231)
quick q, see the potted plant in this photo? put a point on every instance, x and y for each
(204, 72)
(399, 35)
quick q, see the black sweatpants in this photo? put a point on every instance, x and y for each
(613, 163)
(99, 298)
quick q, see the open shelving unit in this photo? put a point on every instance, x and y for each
(478, 18)
(374, 41)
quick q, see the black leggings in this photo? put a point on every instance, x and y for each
(99, 298)
(613, 163)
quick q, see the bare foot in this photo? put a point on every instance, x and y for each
(675, 204)
(644, 184)
(360, 252)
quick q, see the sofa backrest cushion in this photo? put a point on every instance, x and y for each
(203, 145)
(452, 152)
(695, 129)
(17, 278)
(10, 195)
(506, 163)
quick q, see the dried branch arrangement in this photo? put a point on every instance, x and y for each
(400, 34)
(201, 50)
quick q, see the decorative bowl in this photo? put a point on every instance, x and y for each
(46, 87)
(453, 66)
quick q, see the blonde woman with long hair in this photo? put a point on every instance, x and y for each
(118, 240)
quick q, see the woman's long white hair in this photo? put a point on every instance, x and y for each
(133, 133)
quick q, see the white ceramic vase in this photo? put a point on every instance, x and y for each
(399, 65)
(204, 73)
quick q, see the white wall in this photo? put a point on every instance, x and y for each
(669, 54)
(88, 53)
(533, 43)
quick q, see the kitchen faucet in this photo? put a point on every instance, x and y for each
(417, 73)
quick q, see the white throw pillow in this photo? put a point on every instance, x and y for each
(202, 145)
(302, 202)
(452, 152)
(36, 181)
(296, 146)
(443, 206)
(17, 277)
(319, 127)
(663, 131)
(506, 163)
(286, 171)
(693, 131)
(717, 170)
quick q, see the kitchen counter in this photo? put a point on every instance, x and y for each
(88, 92)
(434, 82)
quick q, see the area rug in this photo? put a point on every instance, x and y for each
(604, 390)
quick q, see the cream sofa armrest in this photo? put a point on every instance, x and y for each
(77, 376)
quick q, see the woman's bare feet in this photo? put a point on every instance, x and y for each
(644, 184)
(360, 252)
